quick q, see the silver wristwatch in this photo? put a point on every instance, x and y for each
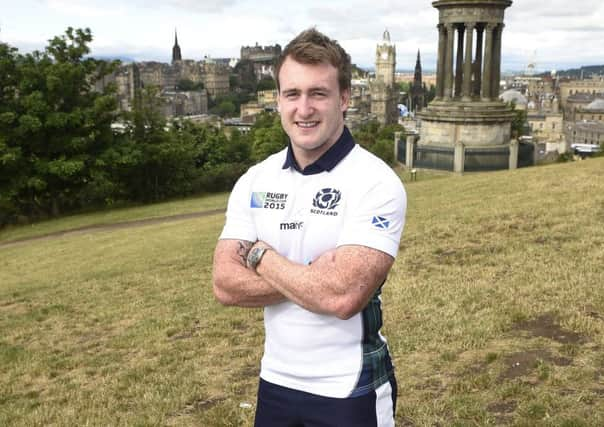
(254, 257)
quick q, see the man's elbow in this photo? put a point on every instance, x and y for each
(346, 308)
(220, 294)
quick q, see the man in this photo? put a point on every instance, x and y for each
(310, 235)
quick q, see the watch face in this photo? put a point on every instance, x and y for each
(254, 256)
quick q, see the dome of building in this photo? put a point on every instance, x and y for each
(513, 95)
(598, 104)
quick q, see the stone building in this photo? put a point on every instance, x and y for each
(588, 132)
(587, 125)
(594, 111)
(384, 92)
(266, 100)
(184, 103)
(466, 127)
(216, 79)
(591, 86)
(263, 59)
(577, 102)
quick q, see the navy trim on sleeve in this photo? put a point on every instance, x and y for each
(328, 160)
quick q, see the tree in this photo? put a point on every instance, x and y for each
(267, 136)
(378, 139)
(187, 85)
(54, 126)
(519, 122)
(11, 156)
(162, 157)
(267, 83)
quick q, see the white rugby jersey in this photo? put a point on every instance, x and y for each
(347, 197)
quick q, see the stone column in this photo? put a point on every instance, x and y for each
(410, 151)
(497, 61)
(513, 162)
(440, 64)
(467, 67)
(488, 64)
(448, 93)
(478, 61)
(459, 157)
(459, 62)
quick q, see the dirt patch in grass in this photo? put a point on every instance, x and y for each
(591, 311)
(525, 362)
(547, 326)
(503, 412)
(198, 405)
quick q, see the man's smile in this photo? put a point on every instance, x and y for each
(307, 124)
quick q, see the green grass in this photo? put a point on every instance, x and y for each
(196, 204)
(494, 313)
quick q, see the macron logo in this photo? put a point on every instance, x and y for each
(291, 225)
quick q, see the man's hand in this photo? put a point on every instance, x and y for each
(234, 283)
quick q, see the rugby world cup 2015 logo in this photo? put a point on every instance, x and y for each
(325, 201)
(258, 199)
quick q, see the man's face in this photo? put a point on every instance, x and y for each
(311, 107)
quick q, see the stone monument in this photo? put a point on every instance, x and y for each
(466, 127)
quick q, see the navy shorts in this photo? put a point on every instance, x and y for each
(283, 407)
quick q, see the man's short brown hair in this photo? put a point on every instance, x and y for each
(313, 47)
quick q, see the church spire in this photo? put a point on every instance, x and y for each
(176, 55)
(417, 78)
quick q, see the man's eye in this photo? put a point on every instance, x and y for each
(319, 94)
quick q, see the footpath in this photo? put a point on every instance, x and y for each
(115, 226)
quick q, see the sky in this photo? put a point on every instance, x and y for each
(553, 34)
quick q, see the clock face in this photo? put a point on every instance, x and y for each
(384, 55)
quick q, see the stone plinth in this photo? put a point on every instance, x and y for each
(472, 124)
(478, 127)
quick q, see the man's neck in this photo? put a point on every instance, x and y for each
(305, 158)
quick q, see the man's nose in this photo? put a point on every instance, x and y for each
(305, 106)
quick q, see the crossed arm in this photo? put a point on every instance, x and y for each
(340, 282)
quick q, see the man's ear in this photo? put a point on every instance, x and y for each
(344, 99)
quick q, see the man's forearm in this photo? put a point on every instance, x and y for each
(291, 280)
(234, 284)
(339, 282)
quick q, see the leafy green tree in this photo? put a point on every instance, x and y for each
(161, 162)
(266, 83)
(189, 85)
(267, 136)
(11, 156)
(378, 139)
(54, 126)
(519, 122)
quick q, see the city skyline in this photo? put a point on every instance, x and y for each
(552, 36)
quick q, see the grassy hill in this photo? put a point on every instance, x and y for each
(494, 313)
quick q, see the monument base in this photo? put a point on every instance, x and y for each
(465, 136)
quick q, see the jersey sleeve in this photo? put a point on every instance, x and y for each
(239, 220)
(377, 218)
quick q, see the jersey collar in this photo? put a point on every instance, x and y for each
(328, 160)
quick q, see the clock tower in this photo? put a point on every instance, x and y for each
(385, 60)
(384, 93)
